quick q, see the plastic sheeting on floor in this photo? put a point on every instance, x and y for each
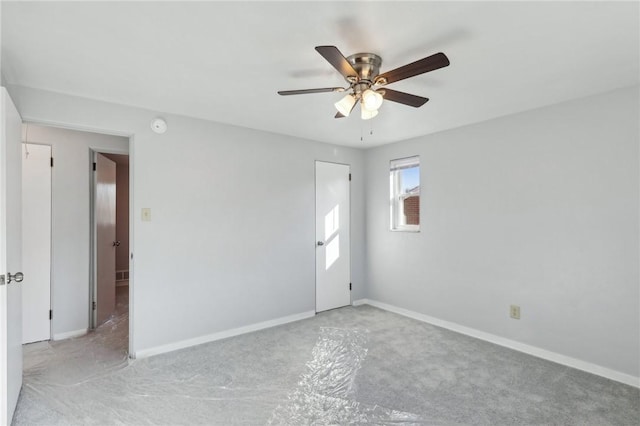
(325, 394)
(346, 366)
(90, 380)
(75, 361)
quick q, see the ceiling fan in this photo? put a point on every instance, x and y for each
(366, 85)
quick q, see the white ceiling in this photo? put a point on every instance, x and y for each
(225, 61)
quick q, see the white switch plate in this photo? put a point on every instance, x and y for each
(146, 214)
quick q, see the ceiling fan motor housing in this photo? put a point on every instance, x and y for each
(367, 65)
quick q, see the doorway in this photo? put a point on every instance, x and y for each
(110, 218)
(333, 263)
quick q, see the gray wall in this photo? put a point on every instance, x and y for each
(538, 209)
(231, 241)
(70, 229)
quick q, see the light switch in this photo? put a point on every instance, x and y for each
(146, 214)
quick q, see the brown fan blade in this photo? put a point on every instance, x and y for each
(430, 63)
(404, 98)
(305, 91)
(337, 59)
(339, 115)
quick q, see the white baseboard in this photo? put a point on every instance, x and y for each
(70, 334)
(220, 335)
(508, 343)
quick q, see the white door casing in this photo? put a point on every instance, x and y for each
(10, 258)
(333, 263)
(36, 242)
(105, 221)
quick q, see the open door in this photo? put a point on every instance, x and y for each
(105, 222)
(333, 264)
(10, 258)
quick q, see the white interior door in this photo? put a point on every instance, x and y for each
(10, 259)
(105, 219)
(333, 264)
(36, 242)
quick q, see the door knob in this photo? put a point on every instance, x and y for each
(17, 277)
(116, 243)
(320, 243)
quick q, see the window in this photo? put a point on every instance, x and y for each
(404, 182)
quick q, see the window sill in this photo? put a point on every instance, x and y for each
(414, 230)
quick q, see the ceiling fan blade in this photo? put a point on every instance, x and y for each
(305, 91)
(339, 115)
(337, 59)
(430, 63)
(404, 98)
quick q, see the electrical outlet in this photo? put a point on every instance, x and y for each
(514, 311)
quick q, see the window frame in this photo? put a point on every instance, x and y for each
(396, 197)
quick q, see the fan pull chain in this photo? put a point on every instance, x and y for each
(362, 130)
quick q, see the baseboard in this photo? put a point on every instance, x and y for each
(511, 344)
(221, 335)
(70, 334)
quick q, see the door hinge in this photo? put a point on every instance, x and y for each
(94, 167)
(349, 176)
(93, 306)
(50, 314)
(51, 161)
(349, 286)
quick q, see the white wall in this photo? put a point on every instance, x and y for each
(231, 241)
(70, 229)
(538, 209)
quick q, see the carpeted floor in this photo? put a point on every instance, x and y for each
(346, 366)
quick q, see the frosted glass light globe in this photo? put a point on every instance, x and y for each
(345, 105)
(371, 100)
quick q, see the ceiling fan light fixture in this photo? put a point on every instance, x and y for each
(345, 105)
(367, 115)
(366, 85)
(371, 100)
